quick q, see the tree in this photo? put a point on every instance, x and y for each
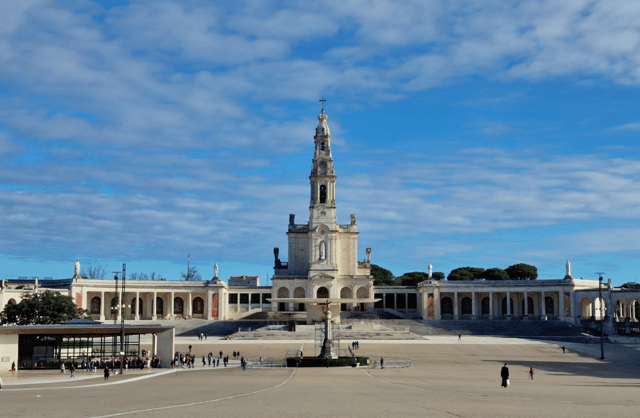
(381, 277)
(411, 279)
(630, 285)
(93, 272)
(522, 272)
(192, 274)
(495, 274)
(466, 273)
(41, 308)
(437, 275)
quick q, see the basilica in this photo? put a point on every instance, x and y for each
(322, 270)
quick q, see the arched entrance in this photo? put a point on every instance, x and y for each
(486, 306)
(94, 308)
(299, 293)
(178, 306)
(322, 292)
(504, 306)
(362, 293)
(198, 306)
(345, 293)
(159, 307)
(446, 306)
(549, 306)
(283, 293)
(529, 306)
(466, 306)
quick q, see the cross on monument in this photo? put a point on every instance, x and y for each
(322, 100)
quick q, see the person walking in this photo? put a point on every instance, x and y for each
(381, 363)
(71, 370)
(504, 373)
(531, 373)
(563, 349)
(243, 363)
(106, 373)
(62, 367)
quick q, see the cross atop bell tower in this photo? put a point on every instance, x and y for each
(322, 207)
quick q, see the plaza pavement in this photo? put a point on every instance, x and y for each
(448, 378)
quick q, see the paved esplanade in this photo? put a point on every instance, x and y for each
(448, 378)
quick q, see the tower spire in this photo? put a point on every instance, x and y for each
(322, 207)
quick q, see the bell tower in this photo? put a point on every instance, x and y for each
(323, 180)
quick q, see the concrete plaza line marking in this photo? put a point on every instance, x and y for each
(119, 382)
(160, 408)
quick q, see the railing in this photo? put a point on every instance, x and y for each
(395, 363)
(255, 363)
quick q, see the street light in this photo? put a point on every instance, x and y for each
(601, 316)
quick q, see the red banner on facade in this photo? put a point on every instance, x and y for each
(214, 310)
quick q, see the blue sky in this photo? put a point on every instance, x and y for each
(476, 133)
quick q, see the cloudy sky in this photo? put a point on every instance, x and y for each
(465, 133)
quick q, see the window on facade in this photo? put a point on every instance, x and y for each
(244, 298)
(233, 298)
(323, 194)
(255, 298)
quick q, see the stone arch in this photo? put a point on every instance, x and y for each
(600, 308)
(466, 306)
(362, 293)
(530, 307)
(136, 303)
(198, 306)
(549, 306)
(446, 306)
(300, 293)
(621, 310)
(504, 306)
(635, 310)
(345, 293)
(159, 306)
(486, 306)
(283, 293)
(178, 306)
(585, 308)
(94, 306)
(12, 301)
(115, 301)
(322, 292)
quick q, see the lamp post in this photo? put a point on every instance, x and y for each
(114, 309)
(122, 312)
(601, 316)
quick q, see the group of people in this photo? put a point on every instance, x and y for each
(202, 336)
(355, 345)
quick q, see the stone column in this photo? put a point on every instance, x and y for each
(526, 304)
(508, 304)
(474, 313)
(171, 313)
(455, 305)
(437, 312)
(543, 314)
(491, 314)
(561, 304)
(154, 306)
(102, 305)
(189, 305)
(209, 305)
(137, 312)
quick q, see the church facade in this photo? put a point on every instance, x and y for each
(323, 264)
